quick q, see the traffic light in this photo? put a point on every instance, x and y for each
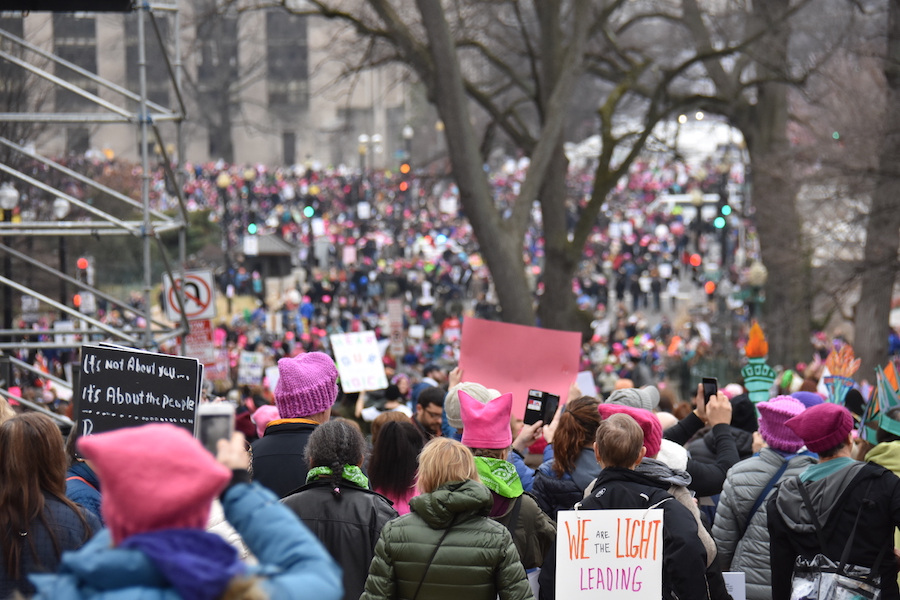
(309, 212)
(719, 222)
(405, 168)
(404, 186)
(82, 264)
(76, 300)
(252, 228)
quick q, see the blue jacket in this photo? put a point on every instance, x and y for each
(292, 562)
(85, 494)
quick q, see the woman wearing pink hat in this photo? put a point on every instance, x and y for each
(158, 486)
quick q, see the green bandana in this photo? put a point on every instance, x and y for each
(351, 473)
(499, 476)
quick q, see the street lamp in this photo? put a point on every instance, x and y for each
(757, 275)
(363, 148)
(408, 133)
(61, 208)
(9, 199)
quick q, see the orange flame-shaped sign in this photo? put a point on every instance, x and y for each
(757, 346)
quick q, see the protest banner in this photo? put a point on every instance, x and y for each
(516, 358)
(250, 368)
(395, 326)
(199, 343)
(609, 554)
(121, 387)
(736, 584)
(585, 381)
(358, 361)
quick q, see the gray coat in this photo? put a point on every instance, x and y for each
(750, 554)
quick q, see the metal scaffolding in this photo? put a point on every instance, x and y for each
(147, 223)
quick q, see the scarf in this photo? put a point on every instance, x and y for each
(351, 473)
(199, 565)
(499, 476)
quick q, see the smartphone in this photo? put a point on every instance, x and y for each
(710, 388)
(215, 421)
(540, 406)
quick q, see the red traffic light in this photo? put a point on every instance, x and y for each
(82, 263)
(709, 287)
(404, 186)
(405, 168)
(76, 300)
(696, 261)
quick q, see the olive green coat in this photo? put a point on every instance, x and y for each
(477, 559)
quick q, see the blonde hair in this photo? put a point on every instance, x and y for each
(444, 460)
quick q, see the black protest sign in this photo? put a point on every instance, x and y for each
(120, 387)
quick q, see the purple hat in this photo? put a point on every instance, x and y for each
(809, 399)
(823, 426)
(773, 414)
(307, 385)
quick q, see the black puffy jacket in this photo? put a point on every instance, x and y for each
(348, 524)
(278, 461)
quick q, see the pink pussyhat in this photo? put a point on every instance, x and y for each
(154, 477)
(261, 418)
(486, 425)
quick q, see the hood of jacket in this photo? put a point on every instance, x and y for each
(887, 455)
(659, 470)
(611, 474)
(451, 502)
(81, 469)
(824, 494)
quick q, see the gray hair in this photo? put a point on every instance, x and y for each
(335, 444)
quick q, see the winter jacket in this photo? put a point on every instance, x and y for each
(476, 560)
(534, 533)
(705, 450)
(836, 499)
(278, 461)
(745, 482)
(69, 531)
(83, 487)
(526, 473)
(293, 564)
(684, 558)
(347, 524)
(554, 493)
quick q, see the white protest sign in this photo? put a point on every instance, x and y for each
(272, 376)
(358, 359)
(609, 554)
(395, 326)
(417, 331)
(585, 382)
(736, 585)
(250, 368)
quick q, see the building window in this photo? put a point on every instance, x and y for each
(158, 80)
(75, 40)
(289, 147)
(287, 60)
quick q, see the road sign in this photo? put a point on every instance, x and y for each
(199, 295)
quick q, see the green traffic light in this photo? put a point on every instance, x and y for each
(836, 135)
(726, 210)
(719, 222)
(252, 228)
(308, 212)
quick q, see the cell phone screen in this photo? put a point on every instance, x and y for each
(214, 428)
(550, 406)
(710, 388)
(534, 407)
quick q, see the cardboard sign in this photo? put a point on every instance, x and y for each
(250, 368)
(609, 554)
(120, 387)
(200, 343)
(516, 358)
(358, 361)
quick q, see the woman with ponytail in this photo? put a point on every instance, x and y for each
(560, 481)
(37, 521)
(337, 504)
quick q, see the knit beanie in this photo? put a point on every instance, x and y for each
(474, 390)
(645, 397)
(809, 399)
(307, 385)
(743, 413)
(733, 389)
(486, 425)
(645, 418)
(823, 426)
(773, 414)
(261, 418)
(154, 477)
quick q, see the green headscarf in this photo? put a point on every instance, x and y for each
(351, 473)
(499, 476)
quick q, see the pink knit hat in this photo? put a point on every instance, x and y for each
(486, 425)
(154, 477)
(822, 427)
(261, 418)
(773, 414)
(307, 385)
(646, 419)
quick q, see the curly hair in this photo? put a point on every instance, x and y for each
(577, 425)
(333, 445)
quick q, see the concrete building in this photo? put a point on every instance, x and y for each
(259, 86)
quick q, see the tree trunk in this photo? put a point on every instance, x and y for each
(500, 246)
(558, 309)
(880, 265)
(788, 307)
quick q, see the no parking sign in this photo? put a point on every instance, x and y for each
(199, 295)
